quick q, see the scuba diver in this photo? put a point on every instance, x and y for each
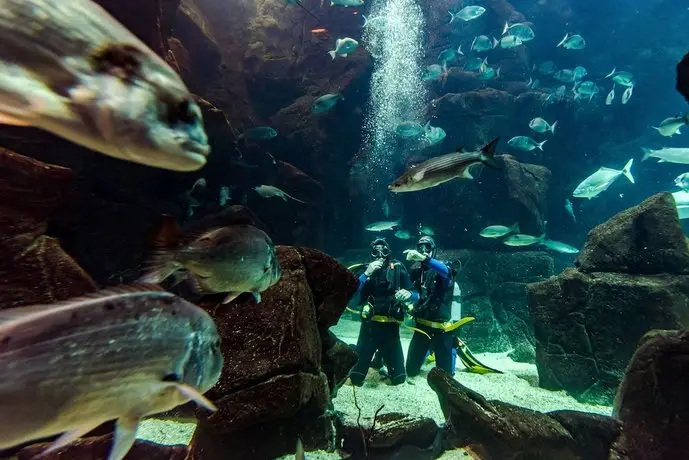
(434, 281)
(385, 291)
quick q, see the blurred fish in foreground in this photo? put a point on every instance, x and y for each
(120, 354)
(71, 69)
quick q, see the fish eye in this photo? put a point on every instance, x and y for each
(181, 112)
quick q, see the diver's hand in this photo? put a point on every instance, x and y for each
(403, 295)
(374, 267)
(366, 311)
(413, 254)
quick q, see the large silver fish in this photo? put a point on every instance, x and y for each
(120, 355)
(444, 168)
(69, 68)
(232, 260)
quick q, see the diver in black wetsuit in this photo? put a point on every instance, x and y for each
(434, 281)
(385, 290)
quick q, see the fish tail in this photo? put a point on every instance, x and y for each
(627, 170)
(515, 228)
(495, 42)
(332, 54)
(540, 145)
(563, 40)
(452, 17)
(552, 127)
(488, 153)
(365, 20)
(459, 51)
(506, 28)
(647, 152)
(160, 267)
(611, 73)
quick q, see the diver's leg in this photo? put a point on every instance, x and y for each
(366, 347)
(443, 344)
(392, 353)
(416, 354)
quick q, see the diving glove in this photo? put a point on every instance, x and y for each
(414, 255)
(374, 267)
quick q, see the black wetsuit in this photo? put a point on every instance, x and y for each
(434, 281)
(379, 292)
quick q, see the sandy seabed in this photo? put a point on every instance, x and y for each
(517, 385)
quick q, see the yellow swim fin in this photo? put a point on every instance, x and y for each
(470, 361)
(459, 323)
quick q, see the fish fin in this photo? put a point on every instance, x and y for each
(515, 228)
(459, 51)
(166, 233)
(495, 42)
(611, 73)
(656, 128)
(418, 176)
(299, 451)
(452, 17)
(6, 119)
(552, 127)
(677, 131)
(460, 149)
(160, 266)
(473, 42)
(345, 55)
(647, 153)
(466, 174)
(66, 439)
(332, 55)
(125, 435)
(195, 395)
(540, 145)
(506, 28)
(365, 21)
(257, 296)
(488, 153)
(230, 297)
(627, 170)
(563, 40)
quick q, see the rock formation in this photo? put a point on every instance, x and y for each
(632, 277)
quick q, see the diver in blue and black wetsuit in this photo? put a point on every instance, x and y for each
(434, 281)
(385, 292)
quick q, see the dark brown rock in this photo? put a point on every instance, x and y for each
(97, 448)
(338, 359)
(645, 239)
(501, 430)
(144, 20)
(527, 189)
(652, 402)
(593, 434)
(33, 267)
(587, 325)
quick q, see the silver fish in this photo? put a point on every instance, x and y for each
(325, 103)
(622, 78)
(627, 94)
(520, 239)
(498, 231)
(71, 69)
(671, 125)
(559, 246)
(468, 13)
(539, 125)
(119, 354)
(344, 47)
(599, 181)
(667, 155)
(521, 30)
(611, 96)
(232, 260)
(682, 181)
(384, 225)
(510, 41)
(572, 42)
(444, 168)
(525, 143)
(570, 209)
(269, 191)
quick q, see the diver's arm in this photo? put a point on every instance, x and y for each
(356, 298)
(440, 268)
(405, 283)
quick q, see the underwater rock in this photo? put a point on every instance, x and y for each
(98, 447)
(644, 239)
(338, 359)
(652, 401)
(527, 188)
(593, 433)
(34, 269)
(273, 385)
(682, 83)
(497, 429)
(587, 326)
(393, 432)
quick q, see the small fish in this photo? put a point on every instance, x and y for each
(259, 133)
(627, 94)
(520, 30)
(611, 96)
(671, 125)
(269, 191)
(119, 354)
(525, 143)
(667, 155)
(498, 231)
(344, 47)
(232, 260)
(539, 125)
(510, 41)
(535, 83)
(547, 68)
(564, 76)
(447, 55)
(225, 196)
(434, 72)
(559, 246)
(468, 13)
(426, 230)
(69, 68)
(403, 234)
(384, 225)
(488, 73)
(520, 239)
(441, 169)
(473, 64)
(386, 208)
(622, 78)
(556, 95)
(601, 180)
(326, 103)
(409, 129)
(572, 42)
(682, 181)
(434, 134)
(585, 89)
(346, 3)
(483, 43)
(570, 209)
(579, 73)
